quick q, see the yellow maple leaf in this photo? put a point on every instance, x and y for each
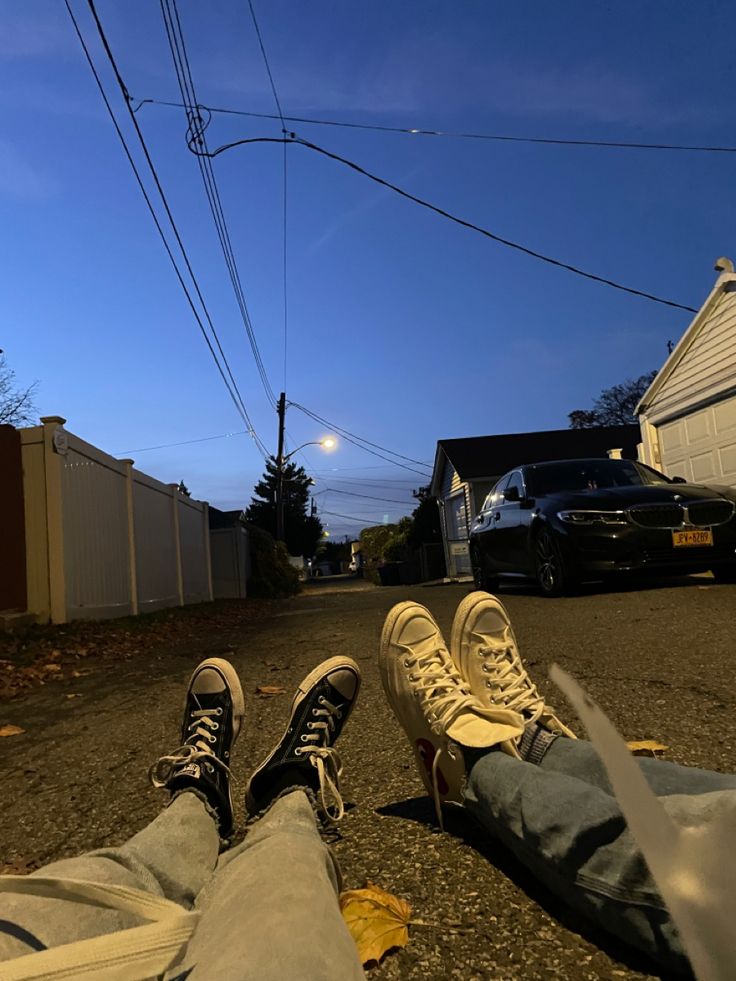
(646, 747)
(376, 919)
(9, 730)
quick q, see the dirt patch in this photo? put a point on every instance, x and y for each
(51, 654)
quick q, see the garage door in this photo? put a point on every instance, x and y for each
(702, 446)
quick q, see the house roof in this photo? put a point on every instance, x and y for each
(225, 519)
(680, 350)
(475, 457)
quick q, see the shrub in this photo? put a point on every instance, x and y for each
(272, 575)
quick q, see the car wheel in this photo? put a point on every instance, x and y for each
(552, 576)
(725, 573)
(481, 579)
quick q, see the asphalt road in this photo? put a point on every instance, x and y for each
(658, 659)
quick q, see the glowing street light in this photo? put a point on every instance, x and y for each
(327, 443)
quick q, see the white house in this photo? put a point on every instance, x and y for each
(688, 413)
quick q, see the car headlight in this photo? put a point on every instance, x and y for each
(592, 517)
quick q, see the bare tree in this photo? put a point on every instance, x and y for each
(16, 404)
(614, 406)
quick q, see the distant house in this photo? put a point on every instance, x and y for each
(688, 413)
(466, 469)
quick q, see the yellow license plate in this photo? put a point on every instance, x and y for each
(700, 536)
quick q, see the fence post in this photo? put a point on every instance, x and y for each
(177, 543)
(54, 448)
(207, 555)
(133, 575)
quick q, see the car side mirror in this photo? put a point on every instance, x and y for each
(511, 495)
(678, 480)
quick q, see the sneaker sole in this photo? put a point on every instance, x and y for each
(303, 689)
(232, 680)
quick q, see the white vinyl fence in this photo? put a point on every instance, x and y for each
(230, 561)
(104, 539)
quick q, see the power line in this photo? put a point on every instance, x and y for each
(268, 67)
(454, 218)
(239, 405)
(367, 480)
(196, 127)
(351, 517)
(369, 497)
(414, 131)
(285, 187)
(184, 442)
(359, 441)
(149, 161)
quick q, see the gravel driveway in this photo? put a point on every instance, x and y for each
(659, 660)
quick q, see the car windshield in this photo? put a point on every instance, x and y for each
(582, 475)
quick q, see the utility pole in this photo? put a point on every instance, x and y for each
(280, 466)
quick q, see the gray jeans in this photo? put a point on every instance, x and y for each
(563, 823)
(269, 906)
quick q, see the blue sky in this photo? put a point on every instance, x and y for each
(402, 327)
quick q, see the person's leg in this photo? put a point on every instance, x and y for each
(173, 856)
(573, 837)
(578, 758)
(479, 736)
(271, 910)
(548, 798)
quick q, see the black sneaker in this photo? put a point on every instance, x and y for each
(305, 757)
(213, 715)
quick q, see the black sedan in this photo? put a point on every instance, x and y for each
(572, 520)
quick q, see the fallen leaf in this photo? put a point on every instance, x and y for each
(266, 691)
(9, 730)
(647, 747)
(73, 695)
(377, 921)
(19, 866)
(52, 668)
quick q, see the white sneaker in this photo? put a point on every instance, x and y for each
(434, 705)
(485, 653)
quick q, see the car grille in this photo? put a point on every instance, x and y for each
(703, 514)
(707, 513)
(657, 515)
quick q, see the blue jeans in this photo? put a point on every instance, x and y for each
(563, 823)
(269, 907)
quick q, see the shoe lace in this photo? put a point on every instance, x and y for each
(444, 696)
(324, 757)
(509, 678)
(197, 747)
(440, 687)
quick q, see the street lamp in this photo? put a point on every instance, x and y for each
(327, 443)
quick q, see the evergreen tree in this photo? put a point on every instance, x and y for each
(302, 531)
